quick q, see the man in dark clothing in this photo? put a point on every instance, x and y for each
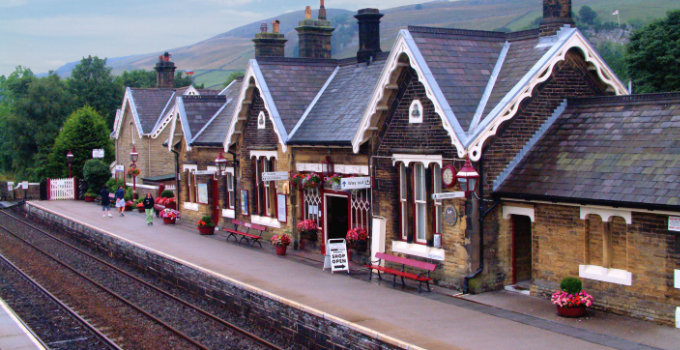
(106, 201)
(120, 200)
(148, 207)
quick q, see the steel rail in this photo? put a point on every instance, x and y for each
(157, 289)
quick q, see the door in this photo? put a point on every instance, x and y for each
(215, 201)
(521, 248)
(336, 222)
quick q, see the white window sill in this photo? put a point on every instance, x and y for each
(229, 213)
(265, 221)
(603, 274)
(420, 250)
(190, 206)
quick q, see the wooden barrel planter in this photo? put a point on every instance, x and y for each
(208, 230)
(577, 311)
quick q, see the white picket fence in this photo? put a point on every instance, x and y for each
(62, 188)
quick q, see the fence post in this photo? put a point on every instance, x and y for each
(49, 190)
(75, 189)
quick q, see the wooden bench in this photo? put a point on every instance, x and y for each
(423, 277)
(240, 231)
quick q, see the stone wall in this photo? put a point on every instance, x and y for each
(298, 326)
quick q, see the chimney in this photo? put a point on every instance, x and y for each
(269, 44)
(556, 13)
(369, 33)
(315, 34)
(165, 72)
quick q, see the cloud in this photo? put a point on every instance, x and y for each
(13, 3)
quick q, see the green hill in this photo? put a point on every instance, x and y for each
(214, 58)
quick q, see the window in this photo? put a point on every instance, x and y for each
(261, 120)
(420, 202)
(265, 191)
(420, 217)
(606, 242)
(229, 201)
(415, 112)
(403, 201)
(437, 182)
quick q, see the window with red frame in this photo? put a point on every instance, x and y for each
(420, 216)
(265, 192)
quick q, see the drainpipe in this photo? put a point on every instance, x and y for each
(176, 175)
(482, 215)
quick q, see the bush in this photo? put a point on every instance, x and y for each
(168, 194)
(571, 285)
(113, 184)
(95, 173)
(205, 221)
(128, 194)
(91, 193)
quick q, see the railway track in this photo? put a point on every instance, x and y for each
(54, 323)
(168, 320)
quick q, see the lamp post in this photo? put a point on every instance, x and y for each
(69, 160)
(468, 178)
(221, 164)
(133, 157)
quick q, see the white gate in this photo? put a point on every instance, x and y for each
(62, 188)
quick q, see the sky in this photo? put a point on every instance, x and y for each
(45, 34)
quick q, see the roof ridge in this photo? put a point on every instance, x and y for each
(280, 59)
(625, 99)
(207, 98)
(457, 31)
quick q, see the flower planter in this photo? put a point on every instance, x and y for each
(89, 199)
(169, 221)
(208, 230)
(281, 249)
(576, 311)
(128, 208)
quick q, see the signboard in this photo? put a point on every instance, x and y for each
(203, 193)
(244, 202)
(674, 223)
(274, 176)
(204, 172)
(10, 185)
(355, 183)
(281, 207)
(120, 168)
(336, 255)
(97, 153)
(24, 185)
(448, 195)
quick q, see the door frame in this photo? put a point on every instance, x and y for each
(328, 193)
(514, 245)
(215, 201)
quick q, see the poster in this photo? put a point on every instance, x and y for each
(244, 202)
(281, 207)
(203, 193)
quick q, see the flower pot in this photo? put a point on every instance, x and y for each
(89, 199)
(281, 249)
(169, 221)
(128, 208)
(576, 311)
(208, 230)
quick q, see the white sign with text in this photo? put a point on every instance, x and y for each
(274, 176)
(120, 168)
(448, 195)
(674, 223)
(355, 183)
(97, 153)
(336, 255)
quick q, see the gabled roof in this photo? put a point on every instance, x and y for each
(478, 79)
(195, 111)
(604, 150)
(335, 114)
(214, 132)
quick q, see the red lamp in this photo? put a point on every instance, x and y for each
(468, 178)
(221, 164)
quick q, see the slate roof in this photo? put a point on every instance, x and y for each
(215, 131)
(337, 113)
(293, 83)
(606, 150)
(198, 111)
(150, 104)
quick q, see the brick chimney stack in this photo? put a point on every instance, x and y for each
(369, 33)
(556, 13)
(315, 34)
(165, 71)
(270, 44)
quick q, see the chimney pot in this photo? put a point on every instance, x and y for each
(263, 28)
(308, 12)
(275, 26)
(322, 10)
(369, 34)
(314, 35)
(556, 13)
(165, 71)
(269, 44)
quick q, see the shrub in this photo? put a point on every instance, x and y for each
(95, 173)
(571, 285)
(205, 221)
(128, 194)
(167, 194)
(113, 184)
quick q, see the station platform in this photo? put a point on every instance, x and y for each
(438, 320)
(13, 333)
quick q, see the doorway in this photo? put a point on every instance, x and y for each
(215, 201)
(521, 250)
(336, 222)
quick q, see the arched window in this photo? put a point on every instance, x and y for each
(261, 120)
(415, 112)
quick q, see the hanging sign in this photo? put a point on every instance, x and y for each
(355, 183)
(97, 153)
(448, 195)
(336, 255)
(24, 185)
(120, 168)
(274, 176)
(674, 223)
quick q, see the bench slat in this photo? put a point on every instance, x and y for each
(244, 234)
(409, 275)
(406, 261)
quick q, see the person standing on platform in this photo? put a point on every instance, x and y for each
(106, 201)
(120, 200)
(148, 207)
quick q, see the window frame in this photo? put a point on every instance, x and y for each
(403, 201)
(261, 121)
(415, 105)
(419, 203)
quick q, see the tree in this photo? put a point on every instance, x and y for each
(587, 15)
(95, 174)
(614, 54)
(137, 78)
(83, 131)
(92, 84)
(181, 81)
(653, 55)
(234, 75)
